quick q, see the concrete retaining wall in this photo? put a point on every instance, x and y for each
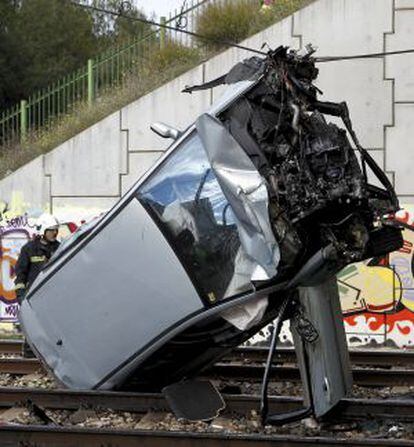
(87, 174)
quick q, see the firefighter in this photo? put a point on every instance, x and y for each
(33, 256)
(36, 253)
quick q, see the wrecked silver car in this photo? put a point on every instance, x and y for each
(245, 220)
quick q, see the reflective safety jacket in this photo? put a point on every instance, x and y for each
(33, 256)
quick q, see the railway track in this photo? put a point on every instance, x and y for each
(20, 366)
(350, 409)
(362, 377)
(11, 347)
(372, 357)
(244, 365)
(242, 372)
(69, 437)
(29, 435)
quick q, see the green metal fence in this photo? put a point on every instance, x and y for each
(86, 84)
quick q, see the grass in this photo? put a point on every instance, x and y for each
(156, 71)
(233, 20)
(236, 20)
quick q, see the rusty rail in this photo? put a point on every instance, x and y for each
(69, 437)
(364, 377)
(20, 366)
(352, 408)
(372, 357)
(11, 347)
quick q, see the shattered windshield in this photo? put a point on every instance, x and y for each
(191, 210)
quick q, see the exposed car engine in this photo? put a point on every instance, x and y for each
(318, 189)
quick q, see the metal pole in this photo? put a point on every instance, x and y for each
(91, 86)
(163, 21)
(23, 119)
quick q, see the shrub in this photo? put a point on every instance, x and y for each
(278, 11)
(173, 54)
(229, 21)
(81, 116)
(234, 20)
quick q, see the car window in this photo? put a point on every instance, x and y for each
(185, 199)
(74, 238)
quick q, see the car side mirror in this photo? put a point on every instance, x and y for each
(165, 131)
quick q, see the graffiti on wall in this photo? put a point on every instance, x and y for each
(16, 229)
(377, 296)
(11, 241)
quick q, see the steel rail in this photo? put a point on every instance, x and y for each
(364, 377)
(350, 408)
(371, 357)
(11, 347)
(20, 366)
(69, 437)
